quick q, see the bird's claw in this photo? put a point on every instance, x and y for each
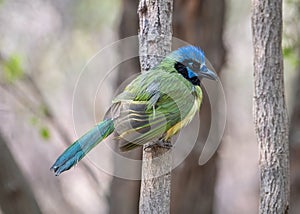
(160, 143)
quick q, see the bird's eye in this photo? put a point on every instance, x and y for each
(195, 66)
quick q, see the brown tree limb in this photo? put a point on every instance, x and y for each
(155, 35)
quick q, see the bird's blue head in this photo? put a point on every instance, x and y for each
(190, 62)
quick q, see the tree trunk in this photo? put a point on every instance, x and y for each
(155, 35)
(270, 114)
(15, 193)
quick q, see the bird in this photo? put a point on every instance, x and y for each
(152, 108)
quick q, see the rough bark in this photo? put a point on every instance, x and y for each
(15, 193)
(155, 34)
(270, 114)
(193, 186)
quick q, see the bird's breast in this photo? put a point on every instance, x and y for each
(196, 106)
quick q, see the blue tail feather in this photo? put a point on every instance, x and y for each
(82, 146)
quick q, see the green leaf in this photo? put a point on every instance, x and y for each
(12, 68)
(45, 133)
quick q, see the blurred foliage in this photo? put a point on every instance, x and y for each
(290, 54)
(92, 14)
(291, 30)
(44, 133)
(44, 111)
(34, 120)
(62, 36)
(12, 68)
(43, 130)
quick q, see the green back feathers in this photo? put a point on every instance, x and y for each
(151, 105)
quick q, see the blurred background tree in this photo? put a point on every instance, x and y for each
(292, 55)
(43, 48)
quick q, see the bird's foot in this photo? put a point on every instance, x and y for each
(160, 143)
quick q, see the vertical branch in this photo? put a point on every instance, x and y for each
(155, 34)
(270, 114)
(155, 31)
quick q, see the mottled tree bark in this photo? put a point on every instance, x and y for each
(155, 35)
(15, 193)
(270, 114)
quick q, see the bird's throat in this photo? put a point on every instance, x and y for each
(182, 69)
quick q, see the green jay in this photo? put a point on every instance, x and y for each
(153, 107)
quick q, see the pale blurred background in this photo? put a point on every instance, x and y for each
(44, 45)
